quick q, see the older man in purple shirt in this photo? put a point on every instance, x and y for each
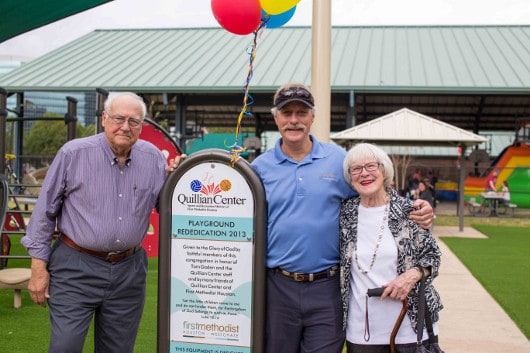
(98, 193)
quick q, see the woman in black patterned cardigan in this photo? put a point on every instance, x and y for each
(381, 247)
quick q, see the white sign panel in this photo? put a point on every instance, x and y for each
(211, 261)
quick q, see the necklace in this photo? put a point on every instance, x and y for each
(379, 239)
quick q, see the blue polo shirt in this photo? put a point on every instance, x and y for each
(304, 201)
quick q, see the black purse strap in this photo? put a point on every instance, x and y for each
(424, 316)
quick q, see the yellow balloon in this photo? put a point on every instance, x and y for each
(275, 7)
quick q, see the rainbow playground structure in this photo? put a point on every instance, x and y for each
(513, 164)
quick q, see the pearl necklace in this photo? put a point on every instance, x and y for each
(379, 239)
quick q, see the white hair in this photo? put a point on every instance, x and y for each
(113, 95)
(364, 151)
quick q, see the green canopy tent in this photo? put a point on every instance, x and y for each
(20, 16)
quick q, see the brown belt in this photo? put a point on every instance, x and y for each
(309, 277)
(113, 256)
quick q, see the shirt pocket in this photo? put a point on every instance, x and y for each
(143, 200)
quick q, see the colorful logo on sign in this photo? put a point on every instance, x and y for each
(208, 187)
(206, 190)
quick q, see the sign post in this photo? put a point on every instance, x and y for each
(212, 257)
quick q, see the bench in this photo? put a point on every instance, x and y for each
(16, 279)
(511, 209)
(474, 206)
(506, 210)
(26, 201)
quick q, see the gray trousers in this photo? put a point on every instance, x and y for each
(83, 287)
(303, 317)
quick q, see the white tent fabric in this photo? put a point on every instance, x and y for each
(407, 127)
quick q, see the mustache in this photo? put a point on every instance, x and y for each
(294, 127)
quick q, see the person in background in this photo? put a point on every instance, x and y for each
(304, 188)
(505, 191)
(431, 187)
(491, 185)
(425, 192)
(432, 178)
(416, 176)
(98, 193)
(491, 181)
(412, 193)
(381, 247)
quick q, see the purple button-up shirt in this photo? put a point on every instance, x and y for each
(98, 204)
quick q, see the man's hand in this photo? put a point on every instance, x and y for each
(39, 282)
(423, 214)
(173, 163)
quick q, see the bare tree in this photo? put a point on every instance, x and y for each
(401, 164)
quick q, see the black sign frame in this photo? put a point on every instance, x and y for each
(259, 245)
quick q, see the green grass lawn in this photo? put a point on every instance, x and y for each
(27, 329)
(500, 263)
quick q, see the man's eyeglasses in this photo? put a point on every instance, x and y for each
(120, 120)
(369, 167)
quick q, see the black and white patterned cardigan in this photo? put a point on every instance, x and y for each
(416, 246)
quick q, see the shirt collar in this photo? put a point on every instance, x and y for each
(316, 152)
(109, 154)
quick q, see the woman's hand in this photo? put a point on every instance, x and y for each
(400, 287)
(423, 214)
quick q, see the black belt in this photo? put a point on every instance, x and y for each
(113, 256)
(309, 277)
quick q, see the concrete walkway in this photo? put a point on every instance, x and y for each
(471, 321)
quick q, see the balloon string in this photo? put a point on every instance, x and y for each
(247, 99)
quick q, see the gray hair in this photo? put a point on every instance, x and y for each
(113, 95)
(364, 151)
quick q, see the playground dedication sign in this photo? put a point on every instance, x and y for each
(212, 257)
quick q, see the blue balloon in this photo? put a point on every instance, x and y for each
(275, 21)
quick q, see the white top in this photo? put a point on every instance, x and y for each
(382, 314)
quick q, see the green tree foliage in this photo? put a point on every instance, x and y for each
(83, 131)
(46, 137)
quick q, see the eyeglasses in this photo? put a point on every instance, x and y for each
(369, 167)
(120, 120)
(293, 93)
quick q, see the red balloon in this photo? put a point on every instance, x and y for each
(237, 16)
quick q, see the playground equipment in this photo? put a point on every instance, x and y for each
(11, 220)
(21, 195)
(16, 191)
(158, 136)
(12, 214)
(513, 164)
(18, 195)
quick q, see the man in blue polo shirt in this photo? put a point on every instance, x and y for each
(304, 187)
